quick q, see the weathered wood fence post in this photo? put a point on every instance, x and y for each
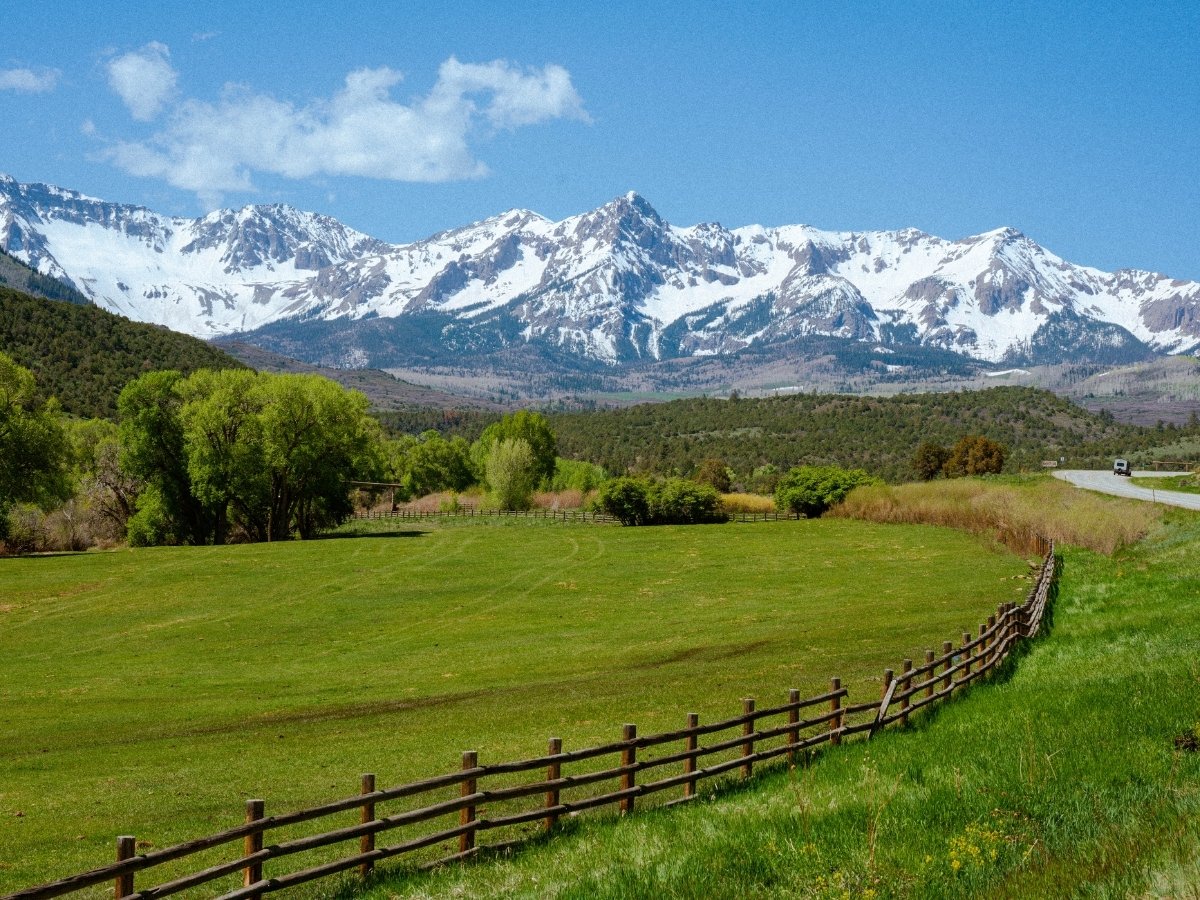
(793, 736)
(126, 848)
(628, 761)
(466, 816)
(253, 842)
(835, 706)
(747, 732)
(366, 843)
(553, 773)
(689, 763)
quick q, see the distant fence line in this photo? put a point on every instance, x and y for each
(557, 515)
(475, 795)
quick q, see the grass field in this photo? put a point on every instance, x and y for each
(150, 692)
(1064, 779)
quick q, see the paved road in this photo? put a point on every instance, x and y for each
(1108, 483)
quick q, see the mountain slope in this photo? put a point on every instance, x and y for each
(614, 285)
(84, 355)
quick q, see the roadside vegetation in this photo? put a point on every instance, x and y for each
(151, 691)
(1035, 504)
(1188, 484)
(1075, 774)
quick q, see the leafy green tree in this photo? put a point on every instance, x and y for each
(34, 452)
(435, 464)
(670, 501)
(511, 473)
(679, 501)
(222, 435)
(929, 460)
(627, 499)
(315, 437)
(530, 427)
(152, 450)
(811, 490)
(263, 456)
(715, 474)
(576, 475)
(975, 454)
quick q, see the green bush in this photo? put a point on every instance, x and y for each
(810, 490)
(627, 499)
(674, 501)
(678, 501)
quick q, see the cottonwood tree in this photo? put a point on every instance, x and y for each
(530, 427)
(511, 472)
(33, 445)
(265, 456)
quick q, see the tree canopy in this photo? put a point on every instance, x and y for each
(34, 451)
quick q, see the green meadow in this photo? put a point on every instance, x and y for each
(1072, 774)
(150, 692)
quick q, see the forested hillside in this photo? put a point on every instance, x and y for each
(15, 274)
(878, 434)
(84, 355)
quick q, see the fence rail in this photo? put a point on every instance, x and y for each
(560, 515)
(633, 767)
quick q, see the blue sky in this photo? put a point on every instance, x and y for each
(1078, 123)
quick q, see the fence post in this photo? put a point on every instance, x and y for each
(947, 649)
(126, 848)
(990, 643)
(466, 840)
(793, 736)
(747, 731)
(366, 843)
(689, 764)
(835, 706)
(553, 773)
(907, 701)
(628, 758)
(968, 655)
(253, 842)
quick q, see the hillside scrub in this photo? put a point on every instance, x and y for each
(1036, 505)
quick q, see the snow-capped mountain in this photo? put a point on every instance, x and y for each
(614, 284)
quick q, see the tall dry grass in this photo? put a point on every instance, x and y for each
(748, 503)
(1011, 512)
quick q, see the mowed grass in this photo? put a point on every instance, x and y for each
(1065, 777)
(150, 692)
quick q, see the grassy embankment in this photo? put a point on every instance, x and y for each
(1188, 484)
(150, 692)
(1065, 778)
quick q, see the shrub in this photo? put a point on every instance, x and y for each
(678, 501)
(929, 460)
(627, 499)
(576, 475)
(715, 474)
(810, 490)
(975, 455)
(674, 501)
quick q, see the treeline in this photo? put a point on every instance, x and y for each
(84, 355)
(760, 438)
(234, 455)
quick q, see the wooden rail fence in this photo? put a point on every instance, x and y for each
(559, 515)
(516, 799)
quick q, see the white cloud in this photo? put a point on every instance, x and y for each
(28, 81)
(144, 80)
(214, 147)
